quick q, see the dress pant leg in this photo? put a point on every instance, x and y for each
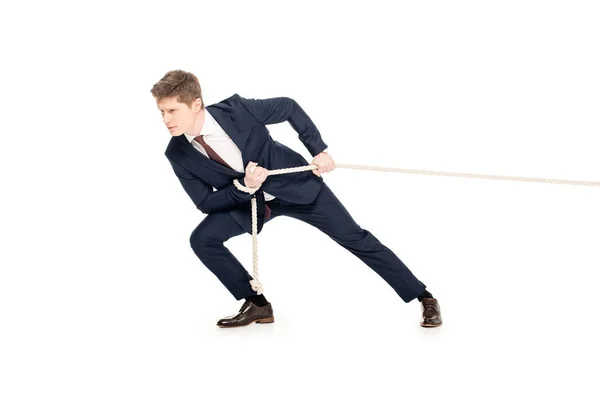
(327, 214)
(207, 241)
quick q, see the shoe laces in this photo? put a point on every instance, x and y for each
(245, 306)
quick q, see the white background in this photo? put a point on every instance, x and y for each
(101, 296)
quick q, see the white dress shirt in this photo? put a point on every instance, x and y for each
(222, 144)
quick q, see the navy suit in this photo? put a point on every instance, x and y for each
(301, 195)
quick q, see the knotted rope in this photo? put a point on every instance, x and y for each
(257, 286)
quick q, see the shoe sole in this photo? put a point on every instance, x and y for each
(430, 325)
(267, 320)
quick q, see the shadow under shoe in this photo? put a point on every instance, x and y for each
(249, 313)
(431, 315)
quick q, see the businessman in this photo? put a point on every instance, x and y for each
(213, 145)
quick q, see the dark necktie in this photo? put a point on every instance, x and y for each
(211, 153)
(214, 156)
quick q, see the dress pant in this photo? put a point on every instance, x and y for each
(325, 213)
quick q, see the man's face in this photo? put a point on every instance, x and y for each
(178, 117)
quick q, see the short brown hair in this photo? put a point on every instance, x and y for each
(178, 83)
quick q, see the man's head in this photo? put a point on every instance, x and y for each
(179, 98)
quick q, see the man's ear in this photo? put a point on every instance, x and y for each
(198, 104)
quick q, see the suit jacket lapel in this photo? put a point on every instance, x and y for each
(188, 148)
(229, 127)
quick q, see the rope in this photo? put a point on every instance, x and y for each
(255, 283)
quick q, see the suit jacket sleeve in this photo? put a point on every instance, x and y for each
(281, 109)
(203, 196)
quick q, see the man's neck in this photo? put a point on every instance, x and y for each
(199, 123)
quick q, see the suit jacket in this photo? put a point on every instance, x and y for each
(209, 184)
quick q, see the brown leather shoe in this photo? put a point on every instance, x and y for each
(432, 316)
(248, 314)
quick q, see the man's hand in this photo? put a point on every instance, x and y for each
(324, 162)
(255, 175)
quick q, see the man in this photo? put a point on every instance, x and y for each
(214, 145)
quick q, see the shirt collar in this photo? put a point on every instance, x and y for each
(208, 127)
